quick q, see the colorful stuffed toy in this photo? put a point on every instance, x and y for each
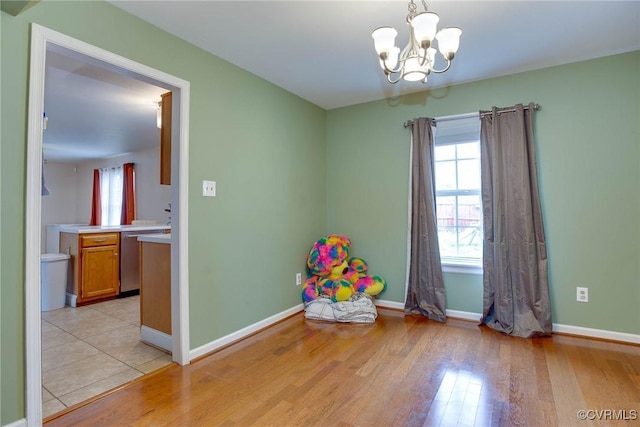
(333, 273)
(328, 254)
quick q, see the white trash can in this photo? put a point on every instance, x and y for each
(53, 269)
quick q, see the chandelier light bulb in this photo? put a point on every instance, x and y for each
(384, 39)
(424, 28)
(449, 41)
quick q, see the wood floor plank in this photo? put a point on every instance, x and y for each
(400, 371)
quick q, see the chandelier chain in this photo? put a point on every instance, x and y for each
(412, 10)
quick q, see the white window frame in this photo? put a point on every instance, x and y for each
(453, 130)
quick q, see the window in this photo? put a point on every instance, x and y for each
(458, 198)
(111, 195)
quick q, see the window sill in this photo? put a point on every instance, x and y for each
(455, 267)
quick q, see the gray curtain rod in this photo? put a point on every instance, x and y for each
(481, 114)
(508, 110)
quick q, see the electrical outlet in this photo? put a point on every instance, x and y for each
(298, 279)
(209, 188)
(582, 294)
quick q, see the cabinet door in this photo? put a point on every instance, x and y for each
(155, 286)
(100, 272)
(165, 140)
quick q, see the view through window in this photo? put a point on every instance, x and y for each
(111, 195)
(458, 198)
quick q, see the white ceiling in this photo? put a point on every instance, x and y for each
(93, 111)
(322, 51)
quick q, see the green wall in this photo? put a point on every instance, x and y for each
(265, 148)
(588, 144)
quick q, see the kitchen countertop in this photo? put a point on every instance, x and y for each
(155, 238)
(83, 229)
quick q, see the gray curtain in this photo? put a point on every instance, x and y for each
(516, 289)
(425, 294)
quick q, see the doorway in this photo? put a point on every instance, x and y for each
(41, 39)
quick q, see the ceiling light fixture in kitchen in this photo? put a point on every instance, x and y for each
(159, 114)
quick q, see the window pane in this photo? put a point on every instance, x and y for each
(469, 211)
(469, 242)
(469, 174)
(458, 202)
(445, 152)
(446, 175)
(447, 240)
(470, 150)
(111, 195)
(446, 211)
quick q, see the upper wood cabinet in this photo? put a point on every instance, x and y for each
(165, 140)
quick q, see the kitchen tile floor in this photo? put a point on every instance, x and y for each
(91, 349)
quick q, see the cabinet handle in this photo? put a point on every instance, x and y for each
(115, 254)
(99, 240)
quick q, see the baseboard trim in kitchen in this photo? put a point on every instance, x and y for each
(127, 294)
(156, 338)
(71, 300)
(243, 333)
(18, 423)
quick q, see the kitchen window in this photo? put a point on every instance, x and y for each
(111, 195)
(458, 193)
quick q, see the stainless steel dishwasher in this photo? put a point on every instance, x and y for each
(130, 261)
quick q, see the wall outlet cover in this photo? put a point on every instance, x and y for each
(209, 188)
(582, 294)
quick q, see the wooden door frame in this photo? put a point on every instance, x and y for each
(40, 38)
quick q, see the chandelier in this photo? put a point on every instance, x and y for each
(417, 60)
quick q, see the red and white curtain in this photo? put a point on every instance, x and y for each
(113, 199)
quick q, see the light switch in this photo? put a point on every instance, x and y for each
(209, 188)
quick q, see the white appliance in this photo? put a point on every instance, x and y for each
(53, 282)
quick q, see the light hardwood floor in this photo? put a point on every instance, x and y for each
(401, 371)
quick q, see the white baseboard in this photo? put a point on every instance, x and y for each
(388, 304)
(557, 328)
(18, 423)
(242, 333)
(155, 337)
(464, 315)
(71, 300)
(562, 329)
(596, 333)
(456, 314)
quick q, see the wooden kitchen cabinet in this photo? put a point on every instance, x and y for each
(95, 265)
(165, 140)
(155, 286)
